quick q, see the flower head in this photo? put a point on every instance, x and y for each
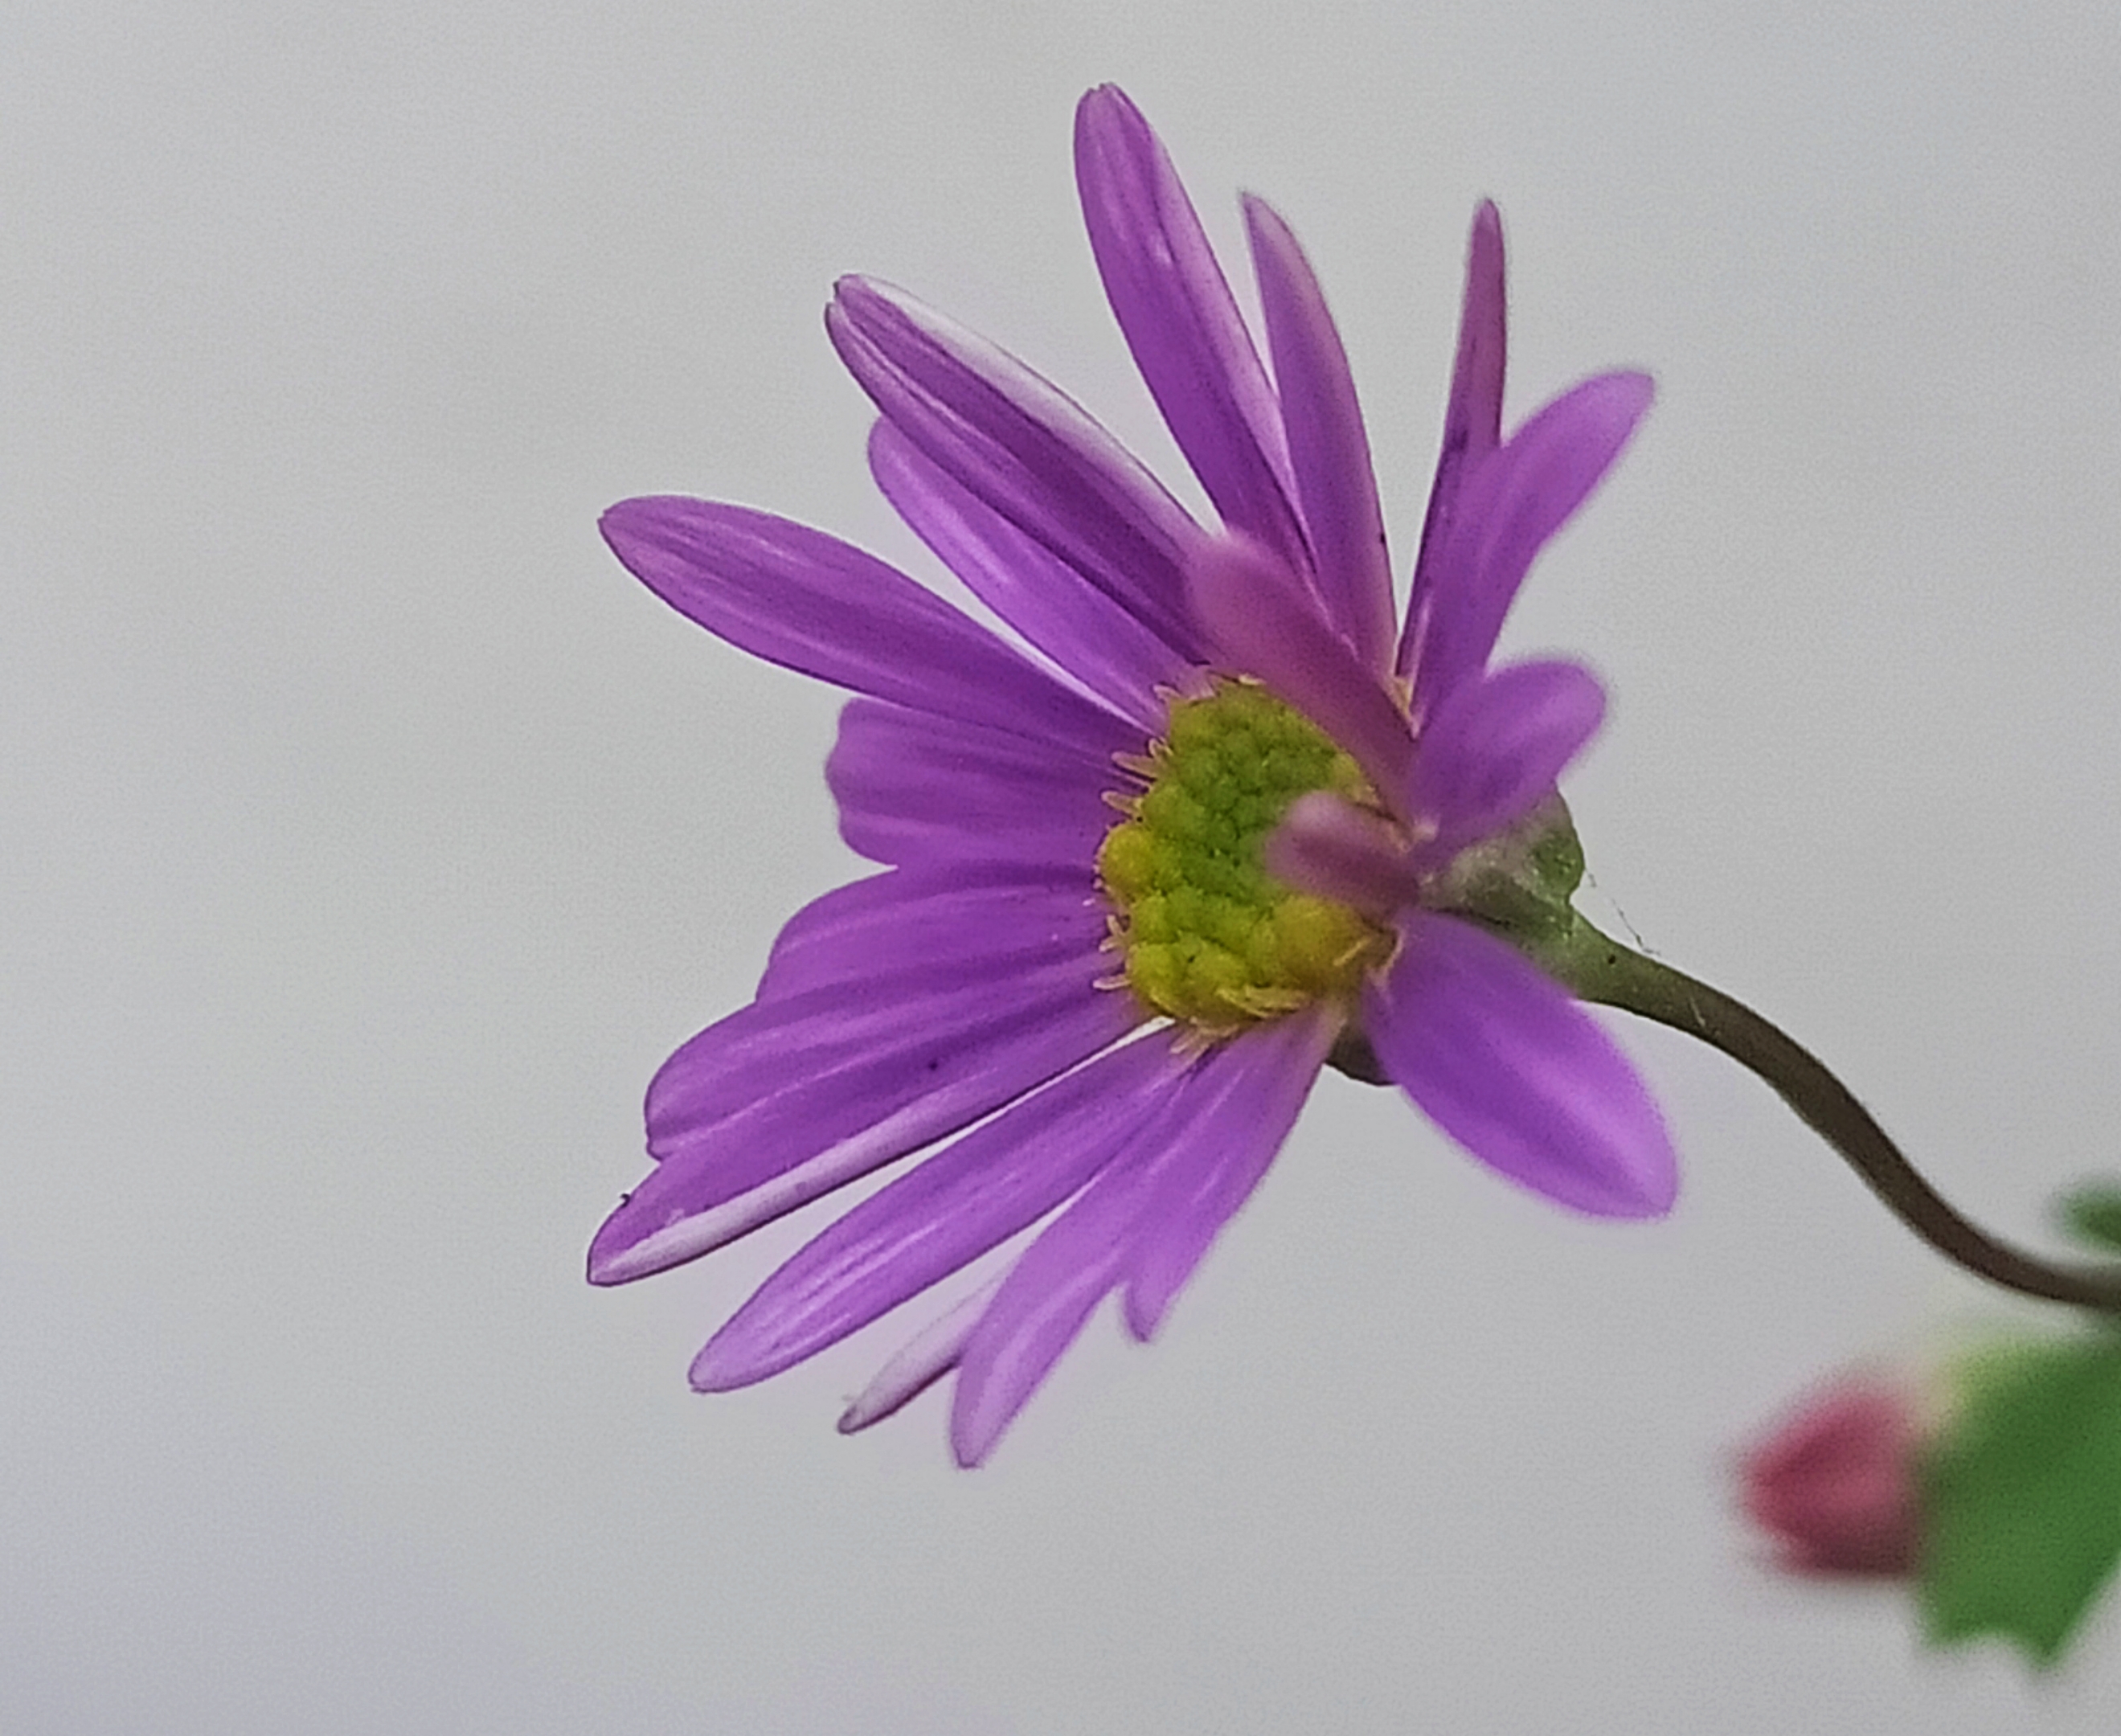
(1836, 1485)
(1141, 879)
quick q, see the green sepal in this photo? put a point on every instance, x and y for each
(1520, 881)
(2092, 1214)
(2021, 1495)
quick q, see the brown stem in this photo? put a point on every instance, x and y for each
(1599, 969)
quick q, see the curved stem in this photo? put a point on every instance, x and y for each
(1599, 969)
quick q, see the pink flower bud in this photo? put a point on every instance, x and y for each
(1834, 1485)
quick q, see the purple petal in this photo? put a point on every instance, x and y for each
(925, 1359)
(791, 1098)
(996, 1182)
(1328, 448)
(1508, 507)
(890, 922)
(1259, 624)
(1473, 418)
(1247, 1099)
(1496, 746)
(1181, 323)
(1020, 444)
(1195, 1158)
(1043, 1302)
(915, 788)
(1331, 848)
(812, 603)
(1508, 1066)
(1077, 626)
(729, 1071)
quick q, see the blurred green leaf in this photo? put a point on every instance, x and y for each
(2092, 1214)
(2021, 1497)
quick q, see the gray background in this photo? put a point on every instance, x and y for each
(369, 836)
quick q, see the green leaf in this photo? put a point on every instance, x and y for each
(2092, 1214)
(2021, 1497)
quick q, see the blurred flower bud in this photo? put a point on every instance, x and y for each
(1835, 1484)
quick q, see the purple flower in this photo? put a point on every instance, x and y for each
(1077, 991)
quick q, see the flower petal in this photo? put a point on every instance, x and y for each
(1508, 507)
(813, 604)
(789, 1098)
(1472, 419)
(1496, 746)
(972, 1196)
(1331, 848)
(1242, 1111)
(1509, 1066)
(889, 921)
(1195, 1158)
(1181, 323)
(1259, 624)
(1328, 448)
(926, 1358)
(1043, 1302)
(1026, 449)
(731, 1071)
(1075, 624)
(915, 788)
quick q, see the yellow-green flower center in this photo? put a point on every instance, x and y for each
(1209, 937)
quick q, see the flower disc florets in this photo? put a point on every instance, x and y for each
(1209, 937)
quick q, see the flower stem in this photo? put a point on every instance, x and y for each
(1597, 968)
